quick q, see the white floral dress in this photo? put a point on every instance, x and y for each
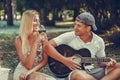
(21, 69)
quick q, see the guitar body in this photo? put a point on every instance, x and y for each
(59, 69)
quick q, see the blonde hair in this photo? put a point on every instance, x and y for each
(26, 28)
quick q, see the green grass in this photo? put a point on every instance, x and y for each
(7, 51)
(3, 24)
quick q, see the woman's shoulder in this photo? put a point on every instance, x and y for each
(17, 39)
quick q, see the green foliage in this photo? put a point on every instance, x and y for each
(10, 60)
(7, 41)
(105, 14)
(18, 13)
(8, 51)
(1, 12)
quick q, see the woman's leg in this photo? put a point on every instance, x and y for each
(36, 76)
(40, 76)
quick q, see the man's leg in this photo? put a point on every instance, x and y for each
(113, 73)
(80, 75)
(60, 78)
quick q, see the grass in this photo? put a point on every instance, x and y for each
(7, 50)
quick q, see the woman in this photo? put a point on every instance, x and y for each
(29, 47)
(32, 47)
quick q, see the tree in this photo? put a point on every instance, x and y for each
(106, 12)
(9, 13)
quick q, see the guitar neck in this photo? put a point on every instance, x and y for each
(96, 60)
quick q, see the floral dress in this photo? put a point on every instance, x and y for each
(21, 69)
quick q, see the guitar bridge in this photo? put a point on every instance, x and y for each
(89, 66)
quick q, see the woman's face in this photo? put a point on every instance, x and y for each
(36, 23)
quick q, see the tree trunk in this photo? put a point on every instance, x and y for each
(9, 13)
(14, 9)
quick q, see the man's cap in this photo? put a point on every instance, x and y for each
(87, 19)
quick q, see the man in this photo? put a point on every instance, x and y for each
(83, 37)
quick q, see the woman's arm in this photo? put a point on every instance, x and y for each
(36, 68)
(41, 64)
(26, 60)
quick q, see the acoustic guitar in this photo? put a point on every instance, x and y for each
(82, 56)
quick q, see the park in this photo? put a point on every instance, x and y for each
(58, 17)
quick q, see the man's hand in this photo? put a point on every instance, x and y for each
(71, 64)
(111, 63)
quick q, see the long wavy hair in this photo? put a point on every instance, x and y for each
(26, 28)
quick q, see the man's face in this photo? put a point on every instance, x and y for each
(80, 28)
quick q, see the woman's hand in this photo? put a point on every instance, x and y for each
(23, 76)
(38, 41)
(43, 36)
(71, 64)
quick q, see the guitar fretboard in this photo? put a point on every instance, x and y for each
(96, 60)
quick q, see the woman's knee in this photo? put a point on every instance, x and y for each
(36, 76)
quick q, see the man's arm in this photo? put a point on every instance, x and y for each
(52, 52)
(53, 43)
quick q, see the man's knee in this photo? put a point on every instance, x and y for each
(77, 74)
